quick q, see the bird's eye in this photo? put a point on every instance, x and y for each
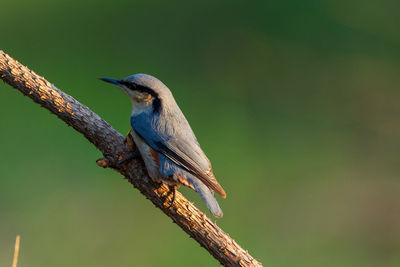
(128, 85)
(131, 86)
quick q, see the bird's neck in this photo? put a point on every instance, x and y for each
(140, 107)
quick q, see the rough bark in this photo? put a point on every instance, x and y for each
(112, 145)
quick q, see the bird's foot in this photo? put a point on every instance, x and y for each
(107, 161)
(131, 144)
(129, 157)
(129, 140)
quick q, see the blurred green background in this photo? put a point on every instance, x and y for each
(296, 103)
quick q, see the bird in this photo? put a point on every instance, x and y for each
(165, 140)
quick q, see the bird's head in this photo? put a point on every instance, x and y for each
(145, 91)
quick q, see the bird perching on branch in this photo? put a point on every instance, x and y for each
(166, 142)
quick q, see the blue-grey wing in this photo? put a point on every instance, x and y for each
(176, 140)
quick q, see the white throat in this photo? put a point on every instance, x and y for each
(140, 107)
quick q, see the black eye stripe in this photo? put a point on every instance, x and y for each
(127, 84)
(140, 88)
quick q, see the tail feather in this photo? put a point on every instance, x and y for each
(207, 196)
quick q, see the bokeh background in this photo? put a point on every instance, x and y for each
(296, 103)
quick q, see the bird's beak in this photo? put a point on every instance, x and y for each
(109, 80)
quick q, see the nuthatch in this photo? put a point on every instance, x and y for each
(165, 140)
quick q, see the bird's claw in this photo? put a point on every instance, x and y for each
(107, 161)
(131, 144)
(129, 140)
(129, 157)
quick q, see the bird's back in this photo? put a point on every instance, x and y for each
(170, 133)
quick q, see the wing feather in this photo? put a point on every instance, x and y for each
(181, 148)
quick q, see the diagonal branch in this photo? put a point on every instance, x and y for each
(111, 144)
